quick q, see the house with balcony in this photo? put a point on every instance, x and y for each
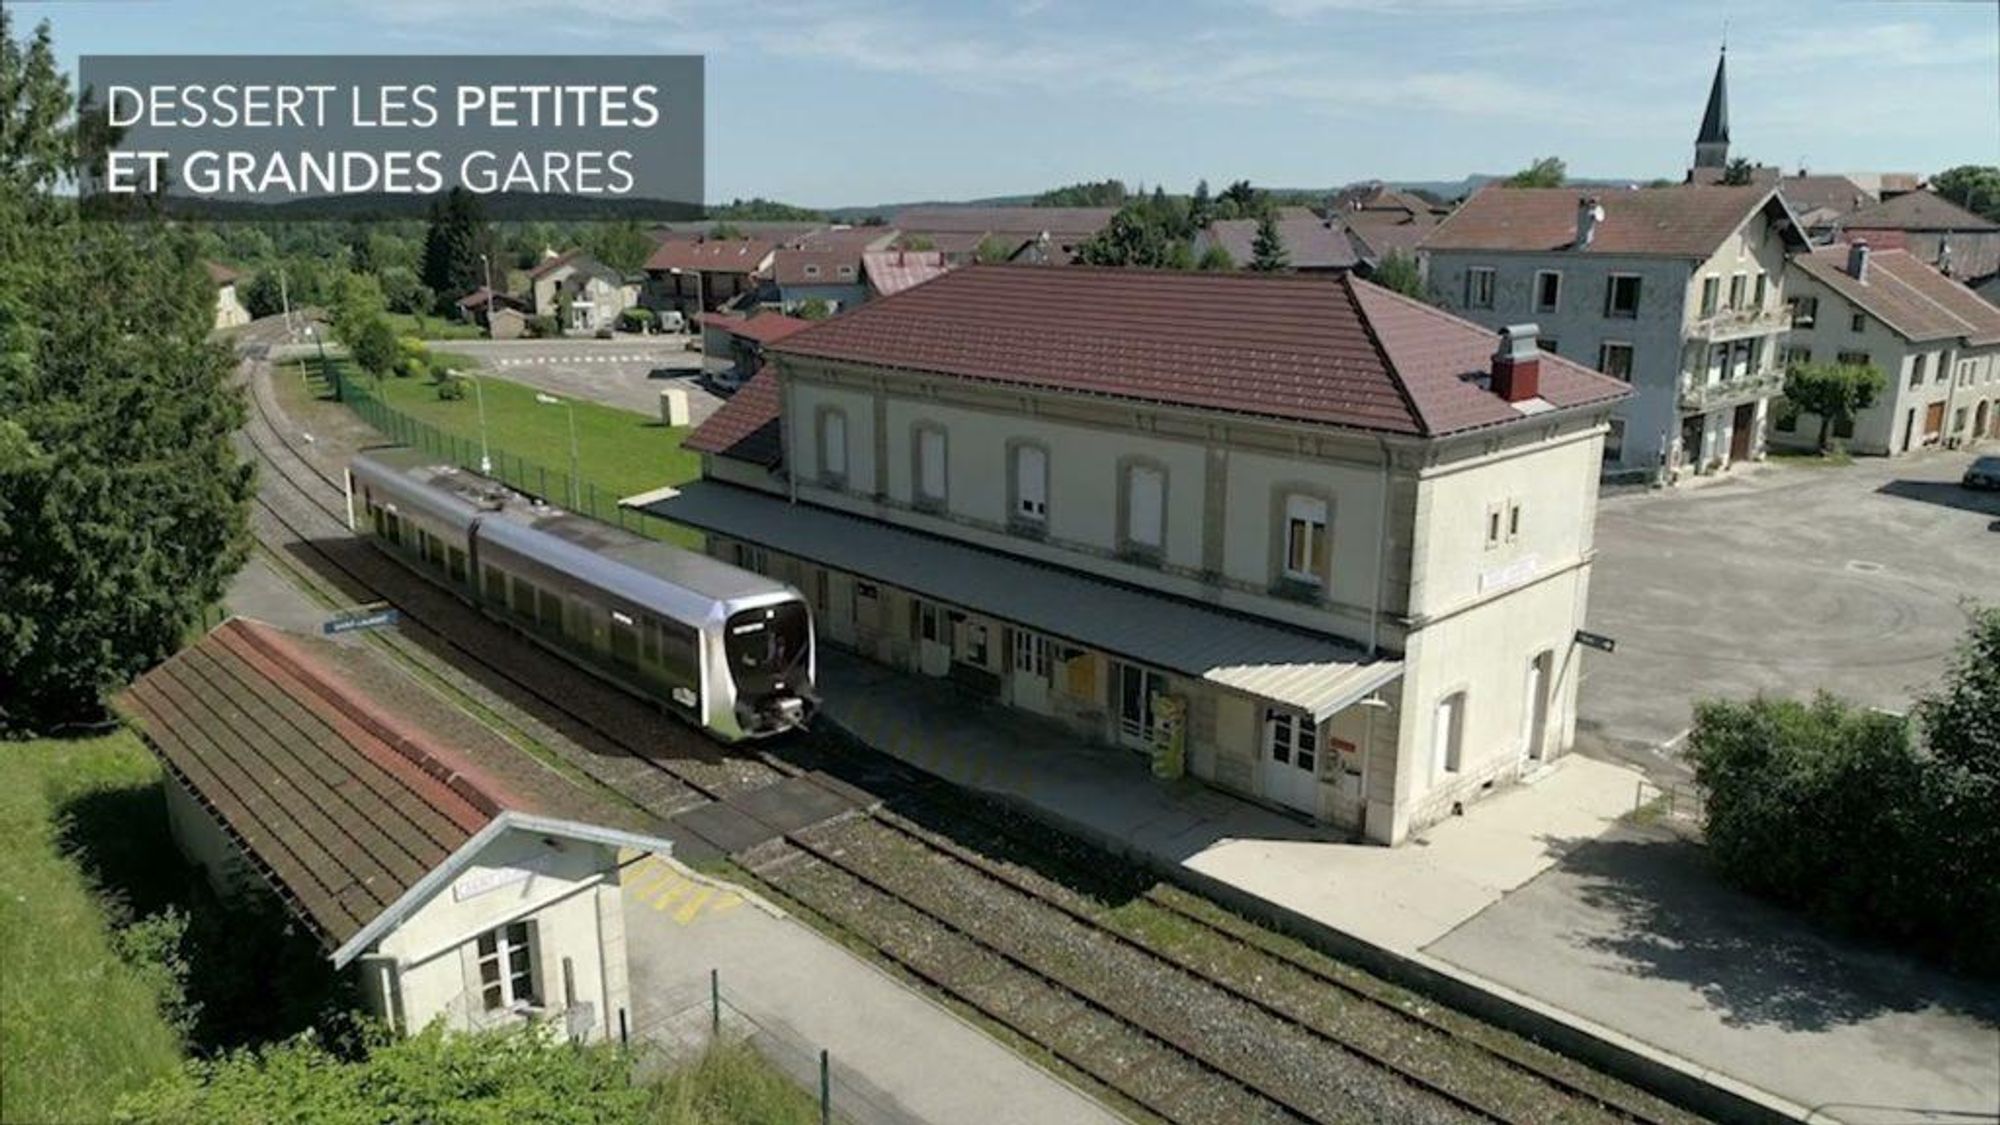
(1317, 544)
(1678, 291)
(704, 274)
(1936, 342)
(582, 293)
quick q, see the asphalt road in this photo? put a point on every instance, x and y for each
(1784, 579)
(628, 372)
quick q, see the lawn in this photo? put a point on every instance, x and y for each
(434, 327)
(78, 1025)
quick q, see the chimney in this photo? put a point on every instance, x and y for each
(1517, 365)
(1857, 260)
(1589, 213)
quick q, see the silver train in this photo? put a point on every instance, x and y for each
(724, 648)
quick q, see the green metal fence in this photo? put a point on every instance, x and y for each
(552, 485)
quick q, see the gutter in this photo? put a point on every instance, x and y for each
(1381, 552)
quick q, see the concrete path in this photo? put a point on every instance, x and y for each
(1536, 891)
(898, 1055)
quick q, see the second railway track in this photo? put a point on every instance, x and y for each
(1223, 1026)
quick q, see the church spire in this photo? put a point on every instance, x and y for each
(1711, 145)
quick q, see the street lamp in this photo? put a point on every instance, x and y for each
(486, 263)
(479, 396)
(575, 495)
(312, 333)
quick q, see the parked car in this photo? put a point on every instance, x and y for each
(672, 321)
(1982, 473)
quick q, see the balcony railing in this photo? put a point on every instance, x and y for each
(1728, 323)
(1698, 395)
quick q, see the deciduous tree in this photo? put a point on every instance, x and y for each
(1834, 391)
(1399, 272)
(1547, 172)
(1975, 187)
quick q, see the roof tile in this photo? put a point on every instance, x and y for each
(1688, 221)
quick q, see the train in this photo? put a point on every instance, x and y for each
(726, 649)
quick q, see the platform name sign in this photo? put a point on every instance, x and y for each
(358, 137)
(1598, 641)
(354, 622)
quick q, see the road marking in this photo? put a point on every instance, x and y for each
(694, 904)
(672, 893)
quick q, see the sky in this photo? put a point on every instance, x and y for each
(852, 102)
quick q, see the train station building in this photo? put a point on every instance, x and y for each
(1322, 546)
(396, 830)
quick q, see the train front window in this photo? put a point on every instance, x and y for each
(764, 645)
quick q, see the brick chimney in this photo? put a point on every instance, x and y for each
(1517, 365)
(1857, 260)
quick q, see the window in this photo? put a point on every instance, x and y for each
(1859, 322)
(1294, 740)
(1797, 356)
(811, 270)
(1742, 359)
(1548, 290)
(975, 643)
(506, 968)
(1479, 287)
(1513, 520)
(1737, 284)
(1804, 311)
(1305, 538)
(1958, 420)
(833, 448)
(1145, 508)
(845, 271)
(1615, 360)
(1493, 524)
(1032, 653)
(1718, 362)
(1918, 368)
(1448, 734)
(1852, 359)
(1031, 483)
(931, 481)
(1621, 296)
(1710, 287)
(496, 585)
(1757, 292)
(1937, 365)
(752, 558)
(1547, 344)
(1614, 442)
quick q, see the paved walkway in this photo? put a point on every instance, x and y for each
(1539, 891)
(897, 1056)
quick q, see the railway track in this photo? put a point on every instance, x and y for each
(1171, 1033)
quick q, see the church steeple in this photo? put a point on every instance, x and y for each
(1711, 145)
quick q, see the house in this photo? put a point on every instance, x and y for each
(582, 293)
(733, 346)
(889, 272)
(427, 863)
(1312, 542)
(1822, 202)
(1312, 244)
(1936, 342)
(702, 275)
(1383, 221)
(229, 310)
(1934, 230)
(1039, 235)
(504, 317)
(1678, 291)
(831, 276)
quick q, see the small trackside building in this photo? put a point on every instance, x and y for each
(1936, 342)
(1315, 543)
(425, 872)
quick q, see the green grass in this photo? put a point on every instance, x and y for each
(78, 1025)
(434, 327)
(731, 1084)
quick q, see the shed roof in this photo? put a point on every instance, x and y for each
(1688, 221)
(1315, 674)
(1336, 351)
(1914, 300)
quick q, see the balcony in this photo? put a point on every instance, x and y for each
(1701, 397)
(1730, 324)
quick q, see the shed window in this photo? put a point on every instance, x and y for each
(1145, 507)
(1305, 537)
(506, 967)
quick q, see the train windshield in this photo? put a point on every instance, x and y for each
(767, 648)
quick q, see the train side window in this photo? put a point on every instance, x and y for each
(496, 585)
(677, 652)
(550, 607)
(624, 640)
(524, 597)
(455, 563)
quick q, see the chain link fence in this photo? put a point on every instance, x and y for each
(690, 1020)
(552, 485)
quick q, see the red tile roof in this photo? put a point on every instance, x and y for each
(817, 267)
(892, 271)
(343, 806)
(765, 328)
(1914, 300)
(727, 255)
(1310, 242)
(746, 427)
(1916, 210)
(220, 275)
(1689, 221)
(1385, 232)
(1026, 221)
(1336, 351)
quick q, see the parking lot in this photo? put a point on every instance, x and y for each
(1784, 578)
(627, 372)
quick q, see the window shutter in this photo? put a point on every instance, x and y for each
(1144, 503)
(833, 444)
(931, 457)
(1031, 481)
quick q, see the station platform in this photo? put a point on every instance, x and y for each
(1541, 901)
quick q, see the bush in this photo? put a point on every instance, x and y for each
(636, 319)
(544, 327)
(1840, 811)
(450, 387)
(413, 359)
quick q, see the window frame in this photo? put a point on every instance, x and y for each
(1297, 511)
(1448, 743)
(828, 418)
(921, 495)
(1603, 355)
(1480, 284)
(1554, 301)
(1027, 508)
(506, 940)
(1611, 284)
(1711, 296)
(1129, 543)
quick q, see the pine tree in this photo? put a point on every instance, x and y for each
(1267, 250)
(123, 505)
(457, 237)
(1201, 209)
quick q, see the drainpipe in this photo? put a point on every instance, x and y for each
(1381, 551)
(791, 418)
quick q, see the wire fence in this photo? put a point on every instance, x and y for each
(552, 485)
(685, 1022)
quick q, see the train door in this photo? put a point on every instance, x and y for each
(1029, 664)
(1136, 688)
(1291, 760)
(933, 639)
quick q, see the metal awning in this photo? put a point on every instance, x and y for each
(1315, 674)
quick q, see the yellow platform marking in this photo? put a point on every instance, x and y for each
(727, 902)
(667, 898)
(694, 904)
(648, 882)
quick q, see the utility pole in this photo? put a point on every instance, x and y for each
(285, 298)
